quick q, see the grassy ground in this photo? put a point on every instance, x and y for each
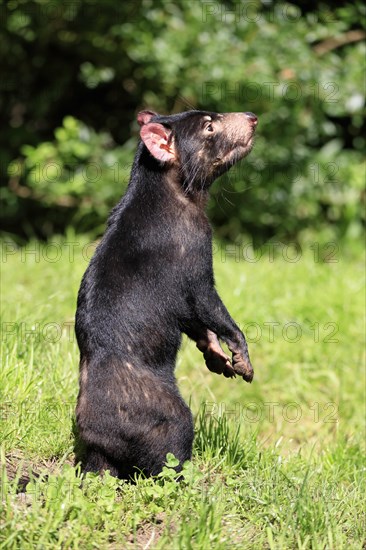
(276, 464)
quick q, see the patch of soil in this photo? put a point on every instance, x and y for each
(148, 533)
(22, 469)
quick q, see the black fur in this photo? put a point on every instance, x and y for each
(151, 280)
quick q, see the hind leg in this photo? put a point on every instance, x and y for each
(129, 418)
(147, 453)
(95, 460)
(173, 435)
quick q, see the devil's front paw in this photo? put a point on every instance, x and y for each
(242, 366)
(217, 361)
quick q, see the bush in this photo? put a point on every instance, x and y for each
(80, 171)
(299, 69)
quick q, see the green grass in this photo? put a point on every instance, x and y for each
(276, 464)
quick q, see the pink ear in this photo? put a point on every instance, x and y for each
(145, 116)
(156, 138)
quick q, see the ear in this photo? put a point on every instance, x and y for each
(145, 116)
(156, 138)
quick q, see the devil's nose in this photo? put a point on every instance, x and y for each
(252, 118)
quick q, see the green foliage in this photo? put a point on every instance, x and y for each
(299, 69)
(80, 170)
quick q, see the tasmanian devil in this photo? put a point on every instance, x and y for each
(150, 280)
